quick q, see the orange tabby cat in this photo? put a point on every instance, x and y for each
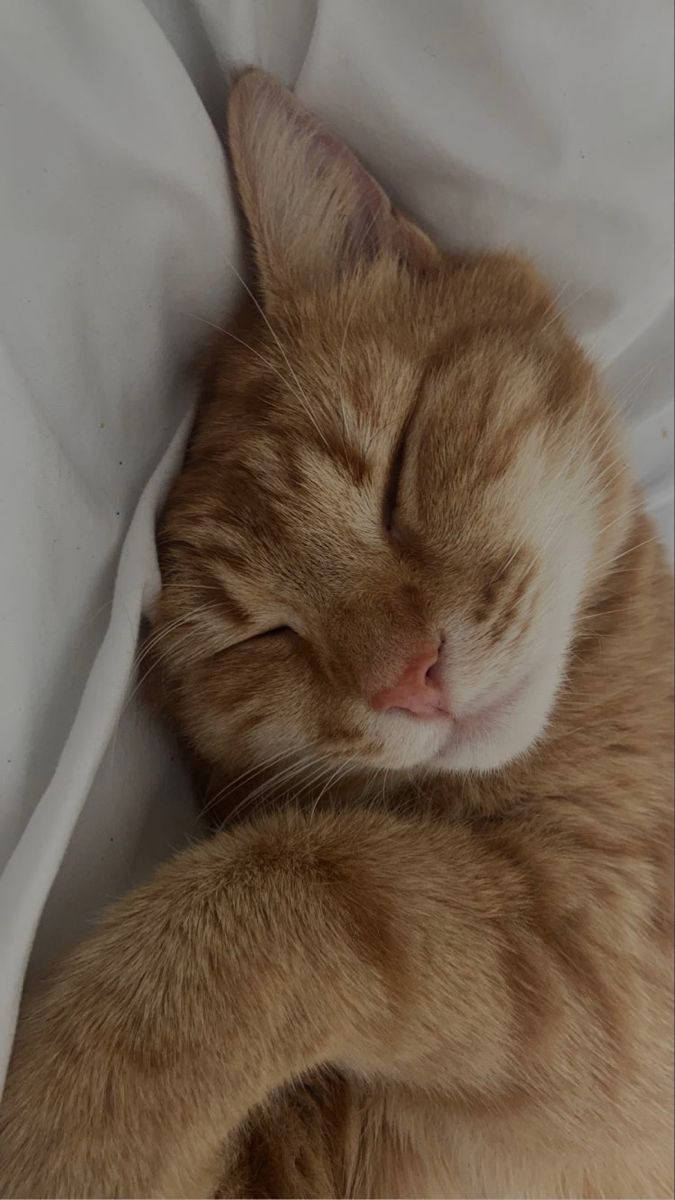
(412, 601)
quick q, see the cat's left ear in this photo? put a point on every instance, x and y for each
(313, 211)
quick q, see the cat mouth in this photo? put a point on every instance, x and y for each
(485, 714)
(482, 721)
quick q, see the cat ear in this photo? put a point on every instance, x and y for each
(312, 210)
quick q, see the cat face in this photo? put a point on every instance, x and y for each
(399, 483)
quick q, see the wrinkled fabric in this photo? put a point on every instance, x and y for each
(543, 127)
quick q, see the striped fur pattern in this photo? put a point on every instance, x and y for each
(418, 957)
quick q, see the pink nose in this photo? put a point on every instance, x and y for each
(416, 691)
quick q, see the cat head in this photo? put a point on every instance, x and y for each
(400, 489)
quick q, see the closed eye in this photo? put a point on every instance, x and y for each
(393, 480)
(395, 469)
(280, 633)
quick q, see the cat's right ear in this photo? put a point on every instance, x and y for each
(313, 211)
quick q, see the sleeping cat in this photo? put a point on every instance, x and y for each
(415, 633)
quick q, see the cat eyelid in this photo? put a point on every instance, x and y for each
(276, 631)
(395, 471)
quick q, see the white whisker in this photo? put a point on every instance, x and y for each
(301, 394)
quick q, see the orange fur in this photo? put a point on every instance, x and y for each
(439, 962)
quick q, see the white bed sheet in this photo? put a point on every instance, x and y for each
(546, 127)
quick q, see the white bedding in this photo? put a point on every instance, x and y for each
(546, 127)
